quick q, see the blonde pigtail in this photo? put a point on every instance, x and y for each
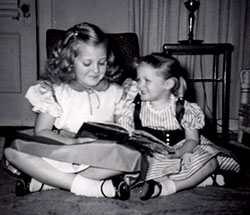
(182, 87)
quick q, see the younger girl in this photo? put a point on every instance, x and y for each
(162, 111)
(75, 90)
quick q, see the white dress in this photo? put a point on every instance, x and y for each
(72, 108)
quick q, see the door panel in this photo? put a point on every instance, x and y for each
(9, 44)
(18, 67)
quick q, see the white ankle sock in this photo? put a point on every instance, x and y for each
(108, 188)
(220, 180)
(207, 182)
(37, 186)
(211, 180)
(168, 188)
(91, 188)
(48, 187)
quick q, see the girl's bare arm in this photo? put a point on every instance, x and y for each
(192, 140)
(44, 125)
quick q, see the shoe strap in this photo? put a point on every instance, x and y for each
(102, 189)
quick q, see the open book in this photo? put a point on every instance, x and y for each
(141, 140)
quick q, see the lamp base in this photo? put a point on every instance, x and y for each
(190, 42)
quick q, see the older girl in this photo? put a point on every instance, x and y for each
(75, 89)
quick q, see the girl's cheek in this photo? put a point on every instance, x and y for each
(143, 85)
(138, 87)
(134, 86)
(139, 84)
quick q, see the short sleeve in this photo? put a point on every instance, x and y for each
(43, 100)
(194, 117)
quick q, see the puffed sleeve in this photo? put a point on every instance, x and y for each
(124, 114)
(194, 117)
(42, 98)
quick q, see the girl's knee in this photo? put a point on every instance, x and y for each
(12, 155)
(9, 154)
(212, 164)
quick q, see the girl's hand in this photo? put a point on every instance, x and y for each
(130, 87)
(127, 84)
(187, 158)
(172, 156)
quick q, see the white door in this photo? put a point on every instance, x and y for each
(18, 60)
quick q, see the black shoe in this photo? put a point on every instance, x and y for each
(148, 190)
(122, 191)
(23, 185)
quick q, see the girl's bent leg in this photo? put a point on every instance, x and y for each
(39, 169)
(198, 177)
(169, 186)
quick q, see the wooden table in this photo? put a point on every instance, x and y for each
(224, 49)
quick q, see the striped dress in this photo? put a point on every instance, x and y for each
(184, 167)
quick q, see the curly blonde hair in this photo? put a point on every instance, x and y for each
(59, 67)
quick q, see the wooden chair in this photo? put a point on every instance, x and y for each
(244, 111)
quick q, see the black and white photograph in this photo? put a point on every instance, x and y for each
(124, 107)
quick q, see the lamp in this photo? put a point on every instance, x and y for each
(192, 6)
